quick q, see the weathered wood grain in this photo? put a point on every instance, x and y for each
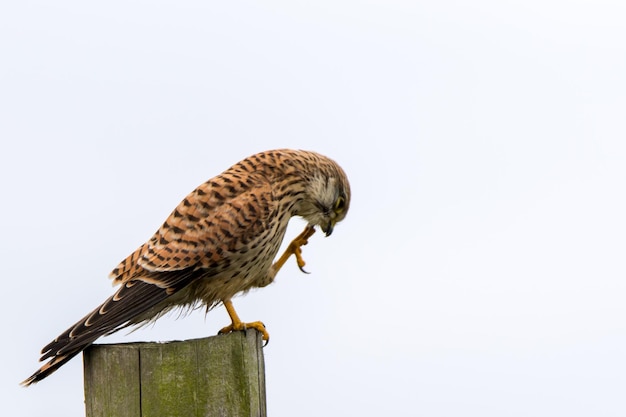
(215, 376)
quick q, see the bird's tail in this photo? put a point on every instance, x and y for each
(48, 368)
(132, 304)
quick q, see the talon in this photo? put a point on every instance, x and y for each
(298, 254)
(294, 248)
(256, 325)
(226, 329)
(238, 325)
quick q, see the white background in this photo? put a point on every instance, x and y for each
(480, 271)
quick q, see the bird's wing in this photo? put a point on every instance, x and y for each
(219, 217)
(195, 240)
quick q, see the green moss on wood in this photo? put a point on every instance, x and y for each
(216, 376)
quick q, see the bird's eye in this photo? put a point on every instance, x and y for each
(340, 204)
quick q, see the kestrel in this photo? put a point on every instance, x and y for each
(221, 240)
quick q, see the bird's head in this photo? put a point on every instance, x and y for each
(327, 198)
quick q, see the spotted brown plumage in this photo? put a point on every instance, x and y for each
(221, 240)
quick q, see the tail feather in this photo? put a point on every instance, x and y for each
(126, 307)
(48, 368)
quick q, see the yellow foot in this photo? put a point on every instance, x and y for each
(238, 325)
(295, 248)
(257, 325)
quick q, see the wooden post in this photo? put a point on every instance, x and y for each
(215, 376)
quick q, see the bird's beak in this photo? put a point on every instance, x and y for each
(328, 228)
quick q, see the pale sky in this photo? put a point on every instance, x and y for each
(480, 271)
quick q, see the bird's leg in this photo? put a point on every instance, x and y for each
(294, 249)
(238, 325)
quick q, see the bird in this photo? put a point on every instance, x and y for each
(220, 241)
